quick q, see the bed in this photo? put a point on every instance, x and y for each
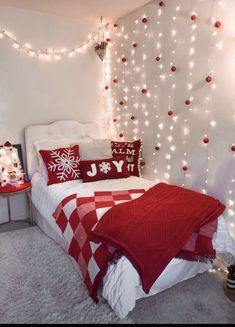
(121, 285)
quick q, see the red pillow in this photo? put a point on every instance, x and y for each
(131, 151)
(62, 164)
(94, 170)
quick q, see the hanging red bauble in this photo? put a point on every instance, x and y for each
(217, 24)
(144, 20)
(132, 117)
(114, 120)
(170, 113)
(173, 68)
(158, 58)
(123, 59)
(115, 80)
(7, 143)
(206, 140)
(193, 17)
(106, 87)
(135, 45)
(208, 79)
(161, 3)
(121, 103)
(144, 91)
(185, 168)
(115, 25)
(157, 148)
(187, 102)
(108, 39)
(121, 135)
(233, 147)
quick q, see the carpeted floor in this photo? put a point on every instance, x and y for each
(39, 284)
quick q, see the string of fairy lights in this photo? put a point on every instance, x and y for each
(129, 62)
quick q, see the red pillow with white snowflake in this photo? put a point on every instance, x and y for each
(94, 170)
(130, 151)
(62, 164)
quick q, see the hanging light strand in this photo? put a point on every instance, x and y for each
(48, 53)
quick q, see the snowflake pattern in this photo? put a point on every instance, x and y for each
(65, 164)
(105, 167)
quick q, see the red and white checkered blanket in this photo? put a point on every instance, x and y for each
(77, 216)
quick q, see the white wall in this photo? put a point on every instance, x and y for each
(191, 47)
(36, 91)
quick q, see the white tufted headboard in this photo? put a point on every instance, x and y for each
(57, 130)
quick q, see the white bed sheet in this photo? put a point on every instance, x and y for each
(121, 285)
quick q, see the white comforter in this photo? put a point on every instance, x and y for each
(122, 286)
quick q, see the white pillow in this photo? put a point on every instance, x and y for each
(97, 149)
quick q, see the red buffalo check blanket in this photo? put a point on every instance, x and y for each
(77, 217)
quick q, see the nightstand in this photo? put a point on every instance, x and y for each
(11, 190)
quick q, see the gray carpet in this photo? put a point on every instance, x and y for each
(38, 284)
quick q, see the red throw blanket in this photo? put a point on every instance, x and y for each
(152, 229)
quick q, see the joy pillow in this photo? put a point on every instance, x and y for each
(94, 170)
(62, 164)
(131, 152)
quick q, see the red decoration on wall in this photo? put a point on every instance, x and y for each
(158, 58)
(144, 91)
(206, 140)
(121, 135)
(121, 103)
(135, 45)
(108, 39)
(144, 20)
(123, 59)
(157, 148)
(142, 164)
(185, 168)
(193, 17)
(115, 80)
(170, 113)
(161, 3)
(187, 102)
(132, 117)
(106, 87)
(208, 79)
(233, 147)
(7, 143)
(173, 68)
(217, 24)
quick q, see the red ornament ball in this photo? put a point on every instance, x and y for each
(121, 103)
(135, 45)
(106, 87)
(108, 39)
(206, 140)
(193, 17)
(173, 68)
(185, 168)
(123, 59)
(158, 58)
(115, 80)
(144, 20)
(132, 117)
(233, 147)
(161, 3)
(115, 25)
(170, 113)
(157, 148)
(187, 102)
(208, 79)
(121, 135)
(144, 91)
(217, 24)
(142, 163)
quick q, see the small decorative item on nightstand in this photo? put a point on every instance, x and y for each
(12, 181)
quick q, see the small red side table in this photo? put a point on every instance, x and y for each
(10, 190)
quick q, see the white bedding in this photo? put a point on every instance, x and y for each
(122, 286)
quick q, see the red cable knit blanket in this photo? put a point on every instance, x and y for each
(152, 229)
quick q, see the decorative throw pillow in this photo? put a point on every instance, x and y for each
(94, 170)
(130, 151)
(95, 149)
(62, 164)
